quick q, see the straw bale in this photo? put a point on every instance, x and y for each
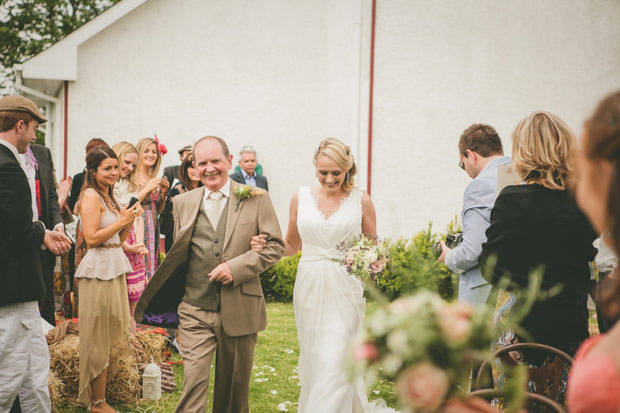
(56, 388)
(125, 387)
(154, 345)
(64, 363)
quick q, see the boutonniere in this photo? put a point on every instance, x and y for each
(244, 192)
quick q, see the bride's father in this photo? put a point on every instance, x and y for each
(211, 274)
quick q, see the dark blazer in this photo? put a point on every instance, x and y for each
(50, 209)
(172, 173)
(50, 215)
(78, 181)
(20, 272)
(261, 181)
(531, 226)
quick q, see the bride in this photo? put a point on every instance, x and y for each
(328, 302)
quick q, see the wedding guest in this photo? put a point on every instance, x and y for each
(79, 248)
(104, 312)
(247, 174)
(152, 195)
(538, 226)
(189, 180)
(24, 357)
(78, 179)
(172, 173)
(481, 153)
(39, 164)
(594, 382)
(125, 188)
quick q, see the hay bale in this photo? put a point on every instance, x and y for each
(57, 389)
(125, 387)
(64, 363)
(154, 345)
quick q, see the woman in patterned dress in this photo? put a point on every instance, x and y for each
(125, 188)
(152, 196)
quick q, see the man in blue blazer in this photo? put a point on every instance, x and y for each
(481, 153)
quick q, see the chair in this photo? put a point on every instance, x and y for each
(547, 378)
(489, 394)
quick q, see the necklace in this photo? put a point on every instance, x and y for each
(111, 204)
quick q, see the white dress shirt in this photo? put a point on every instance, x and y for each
(31, 174)
(214, 208)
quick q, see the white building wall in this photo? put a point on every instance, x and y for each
(443, 65)
(278, 75)
(281, 75)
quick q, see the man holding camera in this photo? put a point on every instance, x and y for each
(481, 154)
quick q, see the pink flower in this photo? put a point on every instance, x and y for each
(350, 258)
(367, 351)
(160, 146)
(455, 321)
(423, 386)
(378, 265)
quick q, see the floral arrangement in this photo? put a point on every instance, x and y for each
(244, 192)
(428, 346)
(365, 257)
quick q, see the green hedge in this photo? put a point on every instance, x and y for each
(412, 266)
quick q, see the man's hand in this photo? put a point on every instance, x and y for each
(221, 273)
(56, 242)
(60, 228)
(444, 252)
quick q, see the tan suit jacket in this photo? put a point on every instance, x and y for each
(242, 303)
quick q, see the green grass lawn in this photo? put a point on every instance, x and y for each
(274, 382)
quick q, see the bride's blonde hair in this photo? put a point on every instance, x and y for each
(340, 153)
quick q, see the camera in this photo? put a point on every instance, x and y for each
(452, 241)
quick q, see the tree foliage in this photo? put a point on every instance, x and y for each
(29, 26)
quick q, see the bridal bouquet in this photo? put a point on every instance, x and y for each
(365, 257)
(426, 345)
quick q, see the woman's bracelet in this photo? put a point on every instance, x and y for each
(125, 229)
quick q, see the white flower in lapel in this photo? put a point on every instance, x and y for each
(244, 192)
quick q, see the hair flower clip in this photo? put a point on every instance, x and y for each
(160, 146)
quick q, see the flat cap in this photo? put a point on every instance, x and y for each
(185, 148)
(16, 103)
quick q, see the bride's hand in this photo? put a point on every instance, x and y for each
(257, 243)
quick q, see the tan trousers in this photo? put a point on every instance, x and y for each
(201, 333)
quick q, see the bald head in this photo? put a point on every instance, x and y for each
(221, 141)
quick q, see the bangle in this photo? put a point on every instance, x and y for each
(125, 229)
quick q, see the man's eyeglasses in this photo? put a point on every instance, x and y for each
(461, 164)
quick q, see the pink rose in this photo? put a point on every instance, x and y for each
(423, 386)
(350, 258)
(366, 351)
(455, 321)
(378, 265)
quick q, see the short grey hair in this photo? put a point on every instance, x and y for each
(247, 149)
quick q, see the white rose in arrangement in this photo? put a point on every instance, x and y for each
(423, 386)
(397, 342)
(391, 364)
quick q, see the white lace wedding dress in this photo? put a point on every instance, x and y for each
(329, 308)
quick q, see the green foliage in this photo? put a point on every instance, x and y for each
(413, 266)
(279, 280)
(29, 26)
